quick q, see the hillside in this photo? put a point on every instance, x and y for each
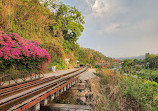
(56, 30)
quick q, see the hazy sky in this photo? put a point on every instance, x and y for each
(119, 28)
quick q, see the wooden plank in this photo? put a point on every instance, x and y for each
(71, 106)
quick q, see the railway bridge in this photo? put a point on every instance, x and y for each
(29, 96)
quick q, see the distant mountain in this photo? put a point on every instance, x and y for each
(133, 57)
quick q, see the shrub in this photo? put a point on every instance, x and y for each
(120, 92)
(24, 55)
(58, 62)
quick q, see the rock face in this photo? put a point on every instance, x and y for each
(84, 95)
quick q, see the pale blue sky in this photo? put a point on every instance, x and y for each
(119, 28)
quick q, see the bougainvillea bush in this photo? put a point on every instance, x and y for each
(21, 54)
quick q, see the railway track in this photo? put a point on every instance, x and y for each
(14, 89)
(15, 95)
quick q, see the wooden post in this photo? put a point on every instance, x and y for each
(0, 82)
(24, 77)
(9, 78)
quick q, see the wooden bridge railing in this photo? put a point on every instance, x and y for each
(8, 79)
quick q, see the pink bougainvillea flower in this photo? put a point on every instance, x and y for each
(1, 53)
(111, 74)
(1, 31)
(12, 46)
(6, 57)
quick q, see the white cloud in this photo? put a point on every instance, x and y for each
(101, 7)
(96, 5)
(106, 7)
(120, 27)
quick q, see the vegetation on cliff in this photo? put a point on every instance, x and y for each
(56, 27)
(120, 92)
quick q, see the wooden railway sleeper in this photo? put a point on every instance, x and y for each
(32, 92)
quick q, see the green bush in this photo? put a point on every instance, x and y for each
(58, 62)
(127, 93)
(144, 92)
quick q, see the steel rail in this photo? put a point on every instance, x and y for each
(13, 90)
(14, 85)
(31, 102)
(5, 103)
(12, 100)
(25, 87)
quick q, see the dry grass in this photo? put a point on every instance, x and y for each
(95, 87)
(109, 94)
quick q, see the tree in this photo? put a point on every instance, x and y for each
(136, 61)
(153, 61)
(147, 55)
(127, 65)
(70, 21)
